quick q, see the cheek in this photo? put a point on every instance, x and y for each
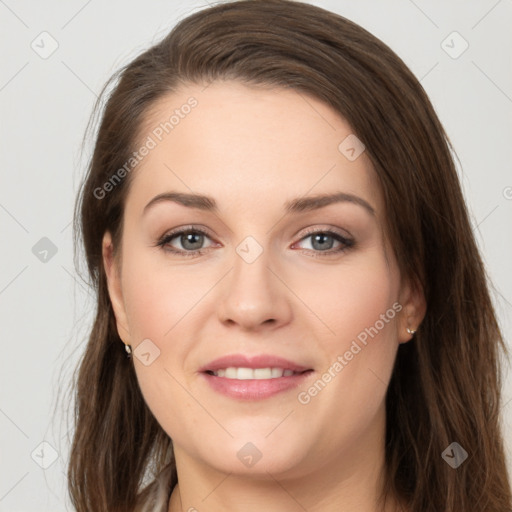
(351, 298)
(158, 298)
(359, 310)
(362, 309)
(159, 304)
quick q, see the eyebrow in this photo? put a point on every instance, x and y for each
(300, 204)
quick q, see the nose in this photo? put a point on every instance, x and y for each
(254, 295)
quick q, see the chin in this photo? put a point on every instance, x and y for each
(257, 456)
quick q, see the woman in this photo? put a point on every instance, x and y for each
(292, 311)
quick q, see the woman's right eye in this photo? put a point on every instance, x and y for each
(191, 241)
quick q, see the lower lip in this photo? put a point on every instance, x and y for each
(255, 389)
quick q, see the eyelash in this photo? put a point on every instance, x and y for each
(347, 243)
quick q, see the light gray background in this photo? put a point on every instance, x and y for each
(45, 104)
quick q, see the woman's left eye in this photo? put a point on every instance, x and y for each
(191, 241)
(323, 242)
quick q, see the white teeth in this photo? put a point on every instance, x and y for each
(276, 372)
(244, 373)
(231, 373)
(253, 373)
(261, 373)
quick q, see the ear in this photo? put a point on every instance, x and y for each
(113, 274)
(414, 307)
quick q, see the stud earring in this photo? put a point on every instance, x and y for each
(128, 349)
(411, 331)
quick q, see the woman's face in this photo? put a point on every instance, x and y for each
(264, 272)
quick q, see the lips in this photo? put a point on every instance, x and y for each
(250, 373)
(254, 378)
(258, 361)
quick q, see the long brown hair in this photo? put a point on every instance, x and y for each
(446, 383)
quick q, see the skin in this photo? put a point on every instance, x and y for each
(253, 149)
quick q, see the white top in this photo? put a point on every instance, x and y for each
(158, 499)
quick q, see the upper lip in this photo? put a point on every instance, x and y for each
(257, 361)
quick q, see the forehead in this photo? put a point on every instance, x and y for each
(248, 146)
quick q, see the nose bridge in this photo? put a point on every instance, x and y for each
(251, 276)
(253, 294)
(251, 265)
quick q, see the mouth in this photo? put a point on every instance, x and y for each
(242, 373)
(253, 378)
